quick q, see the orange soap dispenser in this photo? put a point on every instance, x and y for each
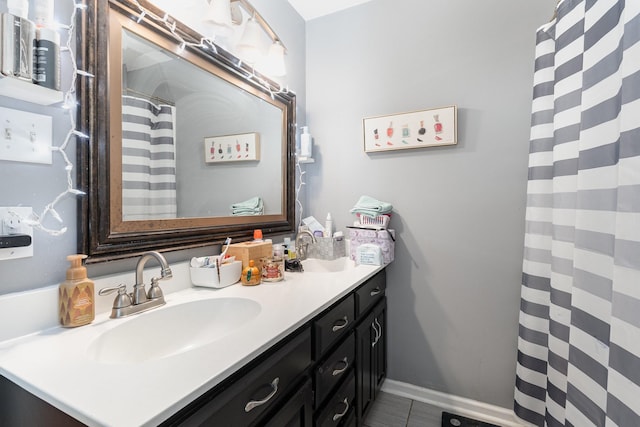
(76, 295)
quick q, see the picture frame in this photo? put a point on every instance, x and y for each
(417, 129)
(232, 148)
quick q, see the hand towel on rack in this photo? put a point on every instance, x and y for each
(371, 207)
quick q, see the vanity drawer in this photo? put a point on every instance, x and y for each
(335, 367)
(332, 325)
(370, 292)
(254, 393)
(337, 411)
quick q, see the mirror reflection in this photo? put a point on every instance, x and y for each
(191, 145)
(194, 144)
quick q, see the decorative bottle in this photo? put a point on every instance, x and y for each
(251, 274)
(306, 143)
(76, 295)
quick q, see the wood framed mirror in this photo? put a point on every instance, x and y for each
(186, 146)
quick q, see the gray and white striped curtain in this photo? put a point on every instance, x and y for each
(579, 340)
(148, 160)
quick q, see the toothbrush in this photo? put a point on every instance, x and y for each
(227, 242)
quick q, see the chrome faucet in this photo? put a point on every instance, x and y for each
(301, 250)
(139, 300)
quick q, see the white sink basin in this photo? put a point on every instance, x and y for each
(313, 265)
(171, 330)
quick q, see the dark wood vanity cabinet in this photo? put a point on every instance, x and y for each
(350, 354)
(326, 374)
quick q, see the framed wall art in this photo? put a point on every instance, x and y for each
(232, 148)
(418, 129)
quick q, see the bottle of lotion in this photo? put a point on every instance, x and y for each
(328, 226)
(306, 143)
(76, 295)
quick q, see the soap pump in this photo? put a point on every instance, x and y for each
(76, 295)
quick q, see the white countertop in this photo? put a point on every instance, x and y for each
(52, 363)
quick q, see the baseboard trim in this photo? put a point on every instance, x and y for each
(455, 404)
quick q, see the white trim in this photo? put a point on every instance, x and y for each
(456, 404)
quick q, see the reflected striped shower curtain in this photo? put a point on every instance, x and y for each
(148, 160)
(579, 340)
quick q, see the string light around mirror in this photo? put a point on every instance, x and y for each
(205, 43)
(69, 104)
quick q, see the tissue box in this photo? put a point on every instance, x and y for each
(328, 248)
(385, 239)
(255, 251)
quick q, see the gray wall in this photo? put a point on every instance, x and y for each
(23, 184)
(453, 291)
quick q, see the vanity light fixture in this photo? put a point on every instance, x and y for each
(208, 43)
(228, 13)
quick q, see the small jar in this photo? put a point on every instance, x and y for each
(250, 275)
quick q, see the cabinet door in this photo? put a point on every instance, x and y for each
(380, 347)
(297, 412)
(365, 339)
(371, 358)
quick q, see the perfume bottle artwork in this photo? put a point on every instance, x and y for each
(375, 134)
(238, 148)
(390, 130)
(405, 131)
(437, 127)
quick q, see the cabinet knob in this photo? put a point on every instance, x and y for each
(336, 417)
(337, 327)
(375, 292)
(252, 404)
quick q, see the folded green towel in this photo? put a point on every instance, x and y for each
(252, 203)
(369, 206)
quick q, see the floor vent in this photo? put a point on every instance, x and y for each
(453, 420)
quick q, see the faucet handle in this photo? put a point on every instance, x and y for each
(122, 299)
(155, 291)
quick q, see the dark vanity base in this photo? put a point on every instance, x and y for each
(325, 374)
(18, 407)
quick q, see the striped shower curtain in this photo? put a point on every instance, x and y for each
(148, 160)
(579, 333)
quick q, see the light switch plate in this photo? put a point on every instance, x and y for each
(25, 137)
(11, 224)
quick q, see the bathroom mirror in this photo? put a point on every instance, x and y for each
(179, 136)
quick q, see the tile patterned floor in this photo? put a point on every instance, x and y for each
(394, 411)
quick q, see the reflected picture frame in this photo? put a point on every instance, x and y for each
(433, 127)
(232, 148)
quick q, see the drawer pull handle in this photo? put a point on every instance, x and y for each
(339, 371)
(375, 325)
(255, 403)
(336, 417)
(379, 329)
(375, 292)
(336, 328)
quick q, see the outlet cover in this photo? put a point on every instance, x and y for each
(25, 137)
(12, 226)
